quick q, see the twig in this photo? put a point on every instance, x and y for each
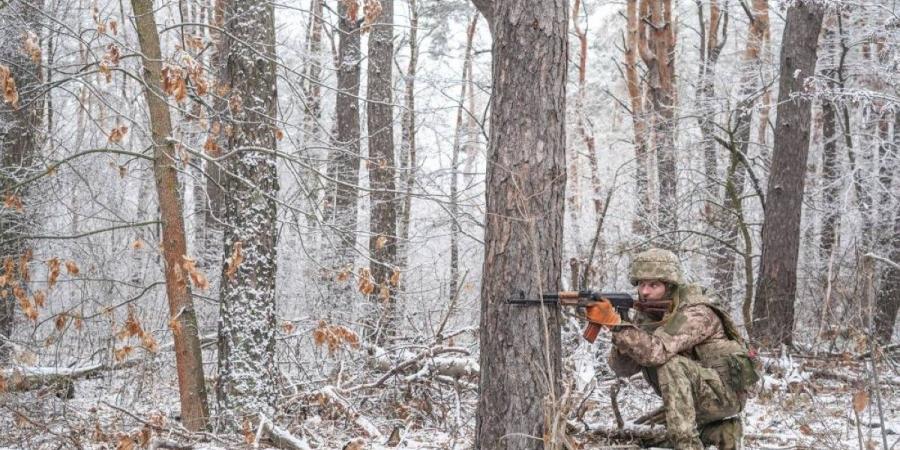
(614, 398)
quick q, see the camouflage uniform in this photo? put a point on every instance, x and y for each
(694, 358)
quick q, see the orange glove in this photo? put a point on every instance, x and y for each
(600, 314)
(603, 313)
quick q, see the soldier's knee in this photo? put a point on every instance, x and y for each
(724, 434)
(674, 368)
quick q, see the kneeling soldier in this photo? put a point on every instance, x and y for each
(689, 351)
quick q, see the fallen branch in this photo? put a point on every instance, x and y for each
(26, 378)
(157, 444)
(279, 436)
(644, 435)
(453, 367)
(849, 379)
(329, 396)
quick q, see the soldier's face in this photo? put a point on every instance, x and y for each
(651, 290)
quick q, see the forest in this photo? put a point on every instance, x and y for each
(242, 224)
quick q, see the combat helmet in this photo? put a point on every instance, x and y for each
(656, 264)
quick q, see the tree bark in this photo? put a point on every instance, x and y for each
(342, 196)
(888, 296)
(313, 101)
(526, 176)
(188, 356)
(458, 136)
(830, 163)
(20, 137)
(773, 311)
(659, 35)
(213, 201)
(633, 44)
(247, 304)
(408, 142)
(383, 220)
(710, 49)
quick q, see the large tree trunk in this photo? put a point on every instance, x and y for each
(20, 127)
(342, 196)
(247, 308)
(773, 311)
(526, 175)
(383, 220)
(188, 357)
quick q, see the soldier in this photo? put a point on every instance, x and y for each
(689, 351)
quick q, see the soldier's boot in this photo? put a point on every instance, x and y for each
(677, 378)
(724, 434)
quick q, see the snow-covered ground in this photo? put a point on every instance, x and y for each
(806, 402)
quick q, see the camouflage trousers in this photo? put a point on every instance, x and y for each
(696, 402)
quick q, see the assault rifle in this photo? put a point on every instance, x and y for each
(598, 306)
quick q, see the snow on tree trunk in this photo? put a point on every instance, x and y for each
(526, 178)
(20, 126)
(381, 165)
(773, 310)
(247, 314)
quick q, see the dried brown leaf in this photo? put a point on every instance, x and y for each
(123, 352)
(395, 278)
(32, 47)
(8, 84)
(197, 277)
(372, 10)
(40, 298)
(211, 147)
(234, 261)
(117, 133)
(53, 266)
(352, 9)
(860, 401)
(71, 267)
(60, 321)
(13, 202)
(125, 443)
